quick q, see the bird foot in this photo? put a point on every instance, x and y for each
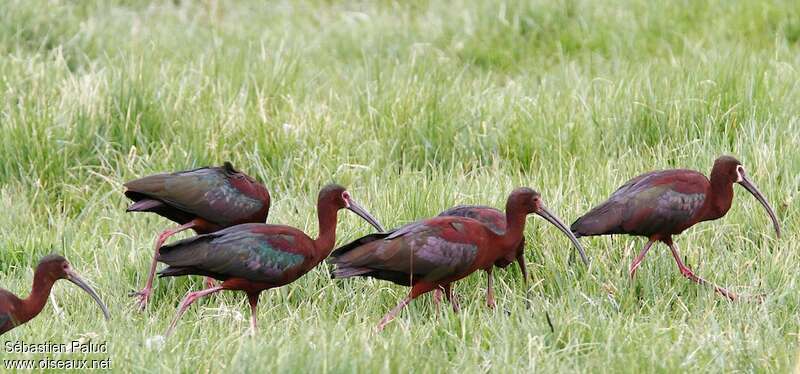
(143, 296)
(491, 304)
(689, 274)
(210, 282)
(728, 294)
(632, 270)
(382, 325)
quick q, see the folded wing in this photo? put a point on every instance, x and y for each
(429, 250)
(220, 195)
(653, 202)
(242, 251)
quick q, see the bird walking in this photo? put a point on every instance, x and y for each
(257, 257)
(661, 204)
(436, 252)
(15, 311)
(205, 200)
(496, 221)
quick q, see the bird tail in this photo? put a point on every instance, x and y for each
(144, 205)
(602, 220)
(177, 271)
(347, 272)
(342, 268)
(149, 185)
(174, 272)
(338, 252)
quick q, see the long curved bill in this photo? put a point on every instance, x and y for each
(78, 281)
(357, 209)
(750, 187)
(544, 213)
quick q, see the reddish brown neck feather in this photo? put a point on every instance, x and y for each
(34, 303)
(324, 243)
(515, 225)
(718, 198)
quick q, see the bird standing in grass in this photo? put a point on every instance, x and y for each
(436, 252)
(15, 311)
(496, 221)
(256, 257)
(205, 200)
(660, 204)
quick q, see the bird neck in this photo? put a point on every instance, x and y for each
(719, 197)
(34, 303)
(515, 225)
(327, 229)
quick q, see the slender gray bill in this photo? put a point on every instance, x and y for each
(78, 281)
(750, 187)
(544, 213)
(357, 209)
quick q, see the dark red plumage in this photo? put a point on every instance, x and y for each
(204, 200)
(496, 221)
(15, 311)
(255, 257)
(492, 218)
(664, 203)
(435, 252)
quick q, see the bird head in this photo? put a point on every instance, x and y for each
(337, 196)
(530, 201)
(729, 169)
(57, 267)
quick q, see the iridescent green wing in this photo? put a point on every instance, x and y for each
(246, 251)
(213, 193)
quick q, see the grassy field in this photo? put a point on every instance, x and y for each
(416, 106)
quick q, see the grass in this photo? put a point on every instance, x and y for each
(416, 106)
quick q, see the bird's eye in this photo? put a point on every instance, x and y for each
(739, 173)
(345, 195)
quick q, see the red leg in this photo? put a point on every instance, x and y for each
(190, 298)
(253, 299)
(686, 272)
(144, 294)
(452, 298)
(638, 260)
(416, 291)
(489, 290)
(437, 298)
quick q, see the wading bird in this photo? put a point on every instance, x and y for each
(205, 200)
(436, 252)
(660, 204)
(256, 257)
(496, 221)
(15, 311)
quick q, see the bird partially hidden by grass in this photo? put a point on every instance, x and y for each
(495, 219)
(438, 251)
